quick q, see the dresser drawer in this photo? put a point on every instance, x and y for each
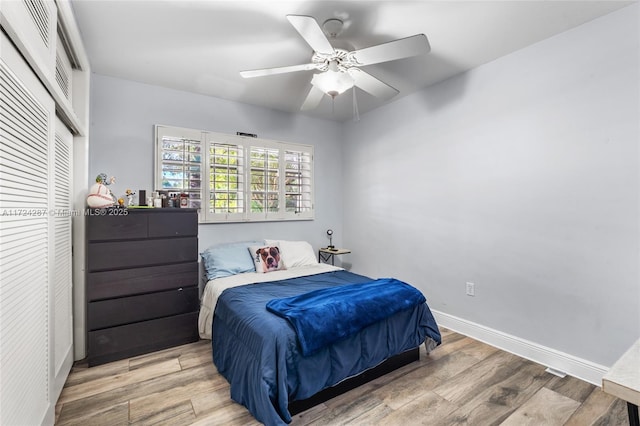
(173, 223)
(134, 339)
(129, 282)
(125, 310)
(115, 225)
(139, 253)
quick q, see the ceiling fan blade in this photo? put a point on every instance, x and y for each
(372, 85)
(278, 70)
(313, 99)
(312, 33)
(397, 49)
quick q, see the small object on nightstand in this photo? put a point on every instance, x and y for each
(327, 253)
(330, 234)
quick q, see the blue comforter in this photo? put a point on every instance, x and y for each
(259, 354)
(322, 317)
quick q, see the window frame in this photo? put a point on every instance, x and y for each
(248, 145)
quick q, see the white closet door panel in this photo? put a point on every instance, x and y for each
(32, 25)
(64, 71)
(27, 112)
(62, 258)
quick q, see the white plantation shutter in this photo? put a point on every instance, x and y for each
(26, 113)
(242, 178)
(226, 186)
(298, 183)
(264, 175)
(62, 257)
(179, 163)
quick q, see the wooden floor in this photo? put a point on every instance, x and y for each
(462, 382)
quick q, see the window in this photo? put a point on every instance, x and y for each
(238, 178)
(179, 165)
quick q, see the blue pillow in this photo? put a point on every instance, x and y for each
(223, 260)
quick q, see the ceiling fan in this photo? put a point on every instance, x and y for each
(340, 68)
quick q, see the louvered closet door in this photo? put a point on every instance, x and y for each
(62, 261)
(32, 25)
(26, 119)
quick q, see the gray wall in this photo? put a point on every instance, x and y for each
(520, 176)
(123, 114)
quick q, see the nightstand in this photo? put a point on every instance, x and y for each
(326, 254)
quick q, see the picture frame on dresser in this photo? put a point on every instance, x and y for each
(142, 281)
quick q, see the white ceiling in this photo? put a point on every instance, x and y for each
(200, 46)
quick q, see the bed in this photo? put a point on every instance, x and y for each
(260, 353)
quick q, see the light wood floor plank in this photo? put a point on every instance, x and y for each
(103, 384)
(207, 403)
(478, 350)
(617, 415)
(179, 352)
(571, 387)
(345, 408)
(114, 415)
(426, 409)
(81, 373)
(451, 344)
(171, 412)
(546, 407)
(497, 401)
(309, 416)
(107, 398)
(200, 356)
(226, 414)
(467, 384)
(450, 365)
(145, 406)
(461, 382)
(596, 406)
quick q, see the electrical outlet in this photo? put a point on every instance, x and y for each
(471, 289)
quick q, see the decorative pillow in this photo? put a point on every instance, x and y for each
(266, 258)
(223, 260)
(295, 253)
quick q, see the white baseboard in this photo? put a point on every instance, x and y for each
(582, 369)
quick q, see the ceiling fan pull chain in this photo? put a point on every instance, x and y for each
(356, 114)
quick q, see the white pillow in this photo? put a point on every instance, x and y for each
(295, 253)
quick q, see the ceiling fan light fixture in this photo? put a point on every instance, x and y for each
(333, 83)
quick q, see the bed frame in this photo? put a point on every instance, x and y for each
(387, 366)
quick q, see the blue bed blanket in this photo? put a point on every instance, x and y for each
(324, 316)
(260, 356)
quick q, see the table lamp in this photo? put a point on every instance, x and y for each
(330, 234)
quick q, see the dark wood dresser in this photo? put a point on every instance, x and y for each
(142, 281)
